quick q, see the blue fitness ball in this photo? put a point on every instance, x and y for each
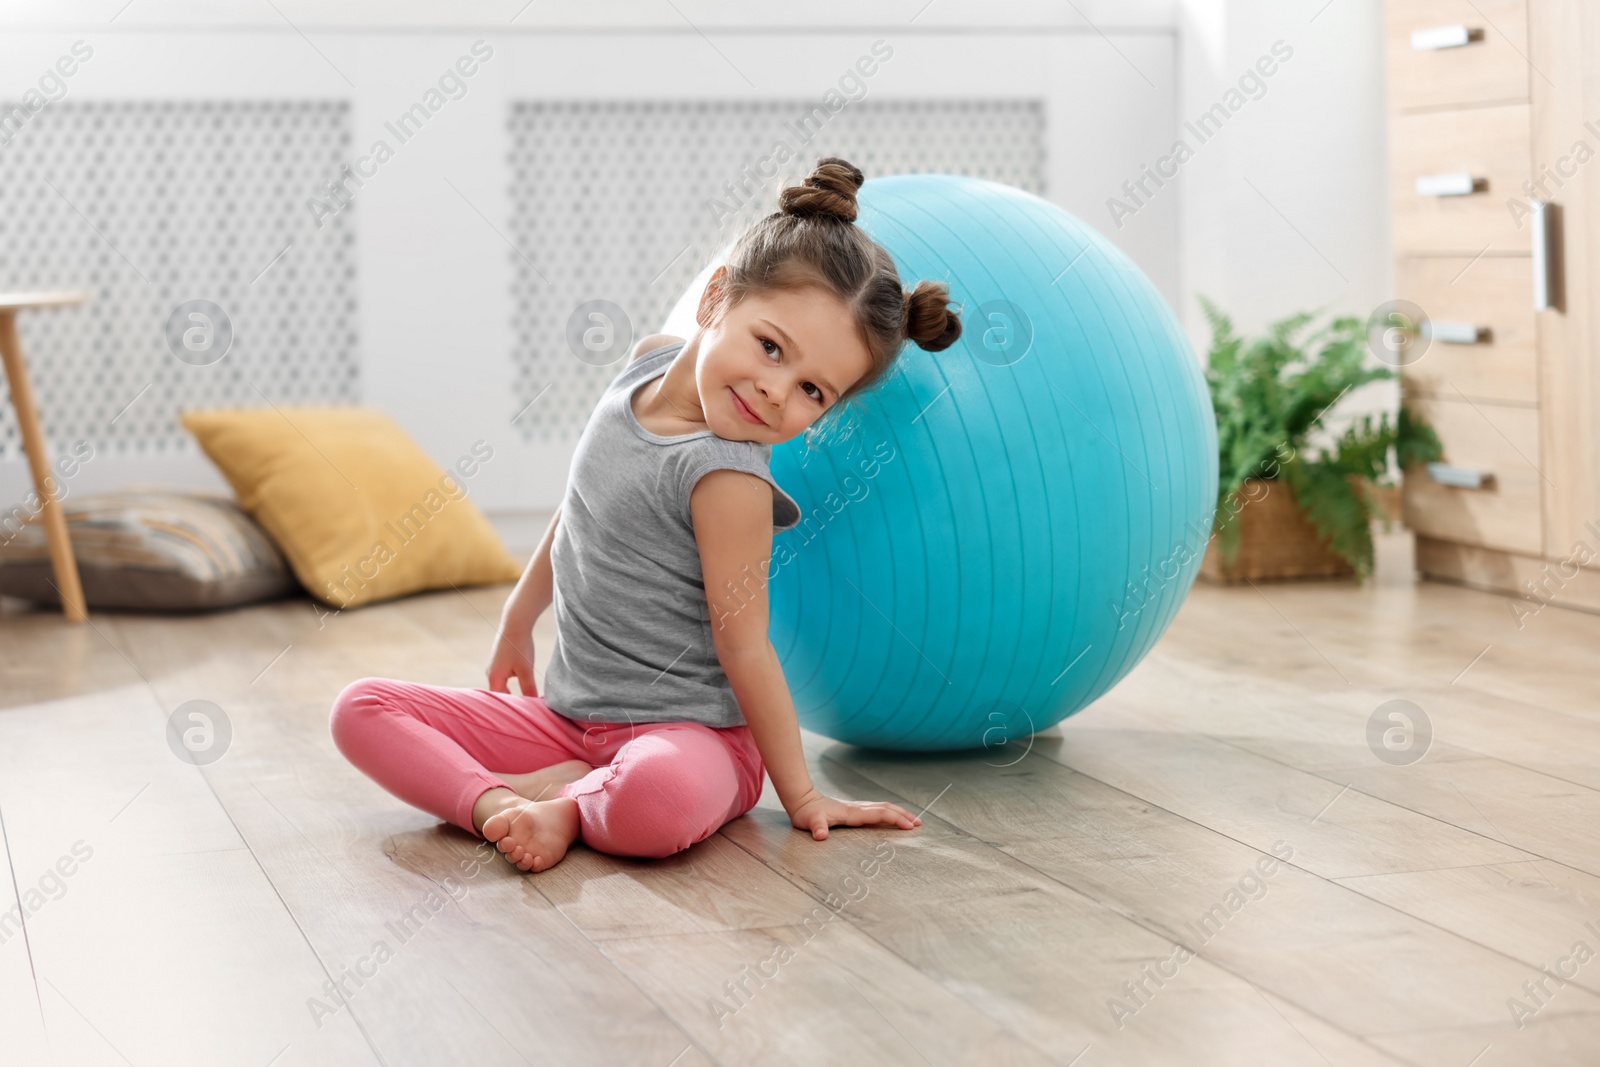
(1000, 531)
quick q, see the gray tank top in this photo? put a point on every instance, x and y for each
(633, 629)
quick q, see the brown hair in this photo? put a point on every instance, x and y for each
(812, 241)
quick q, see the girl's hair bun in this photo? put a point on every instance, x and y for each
(928, 318)
(829, 191)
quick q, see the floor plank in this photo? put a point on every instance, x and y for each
(995, 933)
(165, 906)
(1405, 909)
(1361, 966)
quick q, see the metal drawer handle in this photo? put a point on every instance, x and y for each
(1460, 477)
(1450, 185)
(1456, 333)
(1546, 255)
(1436, 37)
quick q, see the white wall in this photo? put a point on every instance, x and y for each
(1283, 209)
(434, 279)
(1313, 232)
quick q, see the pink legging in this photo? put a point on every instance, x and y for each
(676, 782)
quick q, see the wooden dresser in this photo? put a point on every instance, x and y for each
(1486, 97)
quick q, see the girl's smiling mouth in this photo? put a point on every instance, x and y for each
(745, 409)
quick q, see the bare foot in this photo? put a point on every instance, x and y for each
(534, 834)
(543, 783)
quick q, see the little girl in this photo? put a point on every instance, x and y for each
(662, 710)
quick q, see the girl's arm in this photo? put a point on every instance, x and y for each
(732, 514)
(513, 649)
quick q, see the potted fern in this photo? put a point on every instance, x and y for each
(1282, 511)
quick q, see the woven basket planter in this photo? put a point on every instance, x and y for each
(1276, 542)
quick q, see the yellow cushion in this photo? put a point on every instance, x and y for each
(359, 511)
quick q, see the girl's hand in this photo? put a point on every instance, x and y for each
(816, 812)
(512, 658)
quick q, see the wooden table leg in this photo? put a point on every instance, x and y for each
(55, 519)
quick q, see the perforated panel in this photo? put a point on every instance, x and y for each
(613, 201)
(149, 205)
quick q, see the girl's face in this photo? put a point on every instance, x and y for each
(774, 362)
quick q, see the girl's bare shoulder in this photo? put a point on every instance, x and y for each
(651, 343)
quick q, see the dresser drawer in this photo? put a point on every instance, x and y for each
(1487, 147)
(1488, 68)
(1490, 297)
(1491, 439)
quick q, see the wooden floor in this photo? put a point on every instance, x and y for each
(1030, 920)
